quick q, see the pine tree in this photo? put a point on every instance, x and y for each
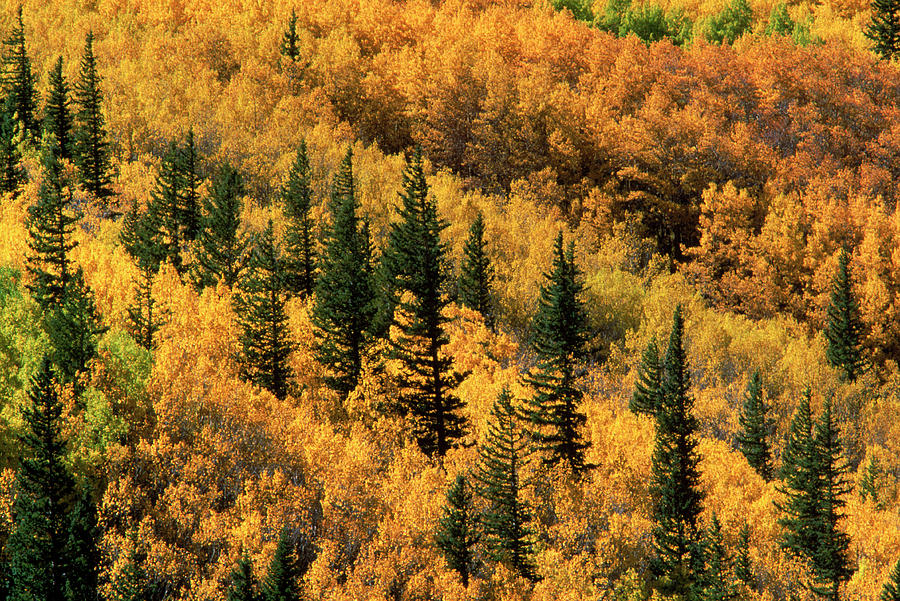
(868, 485)
(18, 80)
(743, 569)
(50, 224)
(222, 255)
(415, 258)
(891, 590)
(558, 340)
(242, 585)
(457, 534)
(756, 426)
(675, 476)
(299, 242)
(12, 175)
(131, 582)
(140, 238)
(289, 40)
(884, 28)
(281, 583)
(144, 316)
(91, 145)
(503, 460)
(165, 208)
(844, 328)
(718, 581)
(260, 308)
(188, 167)
(648, 384)
(83, 550)
(830, 561)
(38, 545)
(344, 303)
(57, 113)
(476, 274)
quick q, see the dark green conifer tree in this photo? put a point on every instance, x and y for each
(144, 316)
(57, 112)
(868, 485)
(140, 238)
(222, 255)
(289, 41)
(38, 546)
(503, 461)
(884, 28)
(476, 274)
(12, 175)
(189, 170)
(242, 585)
(457, 532)
(844, 329)
(282, 580)
(718, 585)
(131, 583)
(648, 384)
(299, 236)
(415, 258)
(91, 144)
(675, 477)
(50, 224)
(83, 550)
(743, 569)
(18, 80)
(891, 590)
(260, 308)
(755, 428)
(559, 336)
(344, 303)
(165, 208)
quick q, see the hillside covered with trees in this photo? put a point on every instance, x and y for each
(459, 299)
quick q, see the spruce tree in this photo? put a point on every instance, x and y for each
(38, 545)
(884, 28)
(18, 80)
(242, 585)
(91, 144)
(222, 255)
(415, 258)
(755, 427)
(165, 208)
(476, 274)
(83, 550)
(260, 308)
(144, 316)
(844, 329)
(718, 585)
(188, 167)
(141, 240)
(648, 384)
(502, 464)
(50, 224)
(299, 239)
(289, 41)
(558, 340)
(344, 302)
(675, 477)
(868, 485)
(57, 112)
(12, 175)
(743, 569)
(891, 590)
(281, 583)
(457, 533)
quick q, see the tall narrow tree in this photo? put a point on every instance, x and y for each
(755, 428)
(558, 340)
(868, 485)
(242, 585)
(344, 302)
(92, 146)
(144, 315)
(222, 254)
(131, 582)
(476, 274)
(18, 80)
(884, 28)
(299, 237)
(743, 569)
(457, 532)
(57, 112)
(290, 41)
(844, 329)
(281, 583)
(189, 168)
(12, 175)
(82, 582)
(891, 590)
(648, 384)
(165, 208)
(718, 581)
(502, 464)
(675, 477)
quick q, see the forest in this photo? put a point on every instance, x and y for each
(449, 299)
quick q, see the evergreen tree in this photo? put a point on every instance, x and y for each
(415, 260)
(50, 224)
(92, 147)
(891, 590)
(12, 175)
(281, 583)
(242, 585)
(844, 328)
(260, 308)
(57, 113)
(648, 384)
(558, 339)
(868, 485)
(719, 585)
(131, 582)
(18, 80)
(189, 169)
(755, 425)
(457, 534)
(38, 545)
(344, 303)
(289, 41)
(884, 28)
(476, 274)
(675, 477)
(140, 238)
(222, 255)
(743, 569)
(83, 550)
(299, 246)
(503, 460)
(144, 317)
(165, 208)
